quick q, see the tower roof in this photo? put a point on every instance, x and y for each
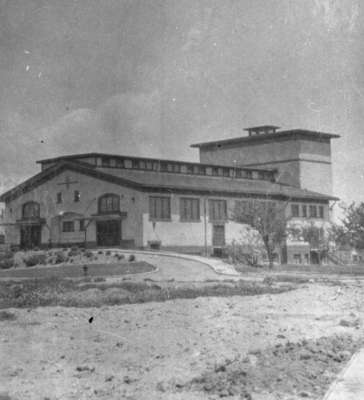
(287, 134)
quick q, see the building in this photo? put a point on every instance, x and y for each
(113, 200)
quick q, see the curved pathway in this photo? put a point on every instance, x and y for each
(182, 267)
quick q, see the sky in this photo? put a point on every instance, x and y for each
(148, 78)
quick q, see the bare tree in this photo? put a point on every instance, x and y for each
(267, 217)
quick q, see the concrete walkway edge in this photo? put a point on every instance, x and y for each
(340, 389)
(219, 267)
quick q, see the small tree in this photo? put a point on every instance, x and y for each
(352, 229)
(267, 218)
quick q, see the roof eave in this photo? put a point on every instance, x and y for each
(255, 138)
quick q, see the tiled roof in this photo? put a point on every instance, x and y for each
(213, 184)
(164, 181)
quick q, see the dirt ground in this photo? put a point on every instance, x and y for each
(261, 347)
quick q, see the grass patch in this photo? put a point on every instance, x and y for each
(55, 291)
(76, 271)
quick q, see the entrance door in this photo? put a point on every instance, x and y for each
(315, 257)
(30, 236)
(218, 236)
(108, 233)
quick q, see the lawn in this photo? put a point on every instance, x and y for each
(95, 292)
(76, 271)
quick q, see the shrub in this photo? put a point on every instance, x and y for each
(100, 252)
(88, 253)
(74, 251)
(108, 253)
(35, 259)
(7, 263)
(60, 257)
(268, 280)
(120, 256)
(131, 258)
(7, 316)
(7, 255)
(99, 279)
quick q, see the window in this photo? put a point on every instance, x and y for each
(217, 210)
(261, 174)
(68, 226)
(109, 203)
(119, 163)
(215, 171)
(313, 212)
(127, 164)
(304, 211)
(31, 210)
(105, 162)
(76, 196)
(225, 172)
(164, 166)
(59, 198)
(82, 225)
(295, 210)
(189, 209)
(135, 164)
(190, 169)
(176, 168)
(297, 258)
(202, 170)
(160, 208)
(321, 211)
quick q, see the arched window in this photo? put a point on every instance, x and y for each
(109, 203)
(31, 210)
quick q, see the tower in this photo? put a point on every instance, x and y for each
(301, 157)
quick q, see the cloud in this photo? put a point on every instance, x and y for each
(124, 123)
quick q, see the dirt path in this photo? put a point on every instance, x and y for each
(148, 351)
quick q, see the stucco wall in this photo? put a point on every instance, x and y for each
(137, 226)
(90, 189)
(316, 176)
(301, 163)
(251, 153)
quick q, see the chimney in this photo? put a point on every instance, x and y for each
(261, 130)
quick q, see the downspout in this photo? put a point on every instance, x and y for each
(205, 226)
